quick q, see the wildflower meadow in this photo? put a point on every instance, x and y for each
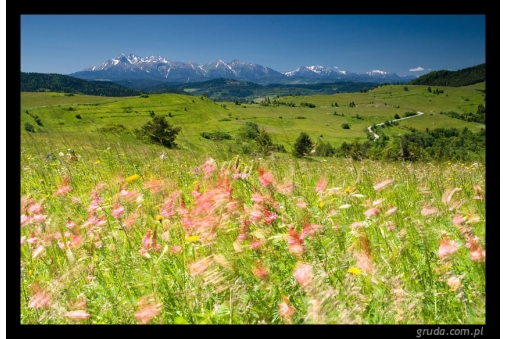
(116, 233)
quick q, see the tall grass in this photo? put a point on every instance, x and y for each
(118, 232)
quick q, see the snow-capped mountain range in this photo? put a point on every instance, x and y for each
(132, 67)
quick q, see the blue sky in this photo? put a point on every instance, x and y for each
(400, 44)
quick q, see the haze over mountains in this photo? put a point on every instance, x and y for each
(157, 68)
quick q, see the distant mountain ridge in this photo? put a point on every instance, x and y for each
(218, 89)
(157, 68)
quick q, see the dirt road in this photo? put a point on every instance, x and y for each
(377, 136)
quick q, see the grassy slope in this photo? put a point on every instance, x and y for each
(196, 114)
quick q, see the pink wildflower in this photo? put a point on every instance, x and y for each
(265, 177)
(147, 309)
(39, 300)
(285, 189)
(117, 210)
(428, 210)
(208, 167)
(379, 186)
(77, 240)
(76, 200)
(454, 283)
(92, 220)
(390, 225)
(39, 218)
(77, 314)
(144, 253)
(240, 175)
(128, 195)
(310, 229)
(295, 242)
(458, 220)
(477, 255)
(363, 261)
(254, 245)
(63, 190)
(69, 223)
(478, 193)
(259, 270)
(35, 208)
(357, 224)
(447, 247)
(37, 251)
(154, 185)
(176, 249)
(476, 251)
(321, 185)
(285, 309)
(256, 215)
(303, 274)
(257, 197)
(301, 203)
(447, 196)
(32, 239)
(391, 210)
(270, 218)
(148, 239)
(371, 212)
(25, 220)
(200, 266)
(244, 229)
(211, 201)
(130, 220)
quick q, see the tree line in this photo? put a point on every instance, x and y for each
(462, 77)
(41, 82)
(428, 145)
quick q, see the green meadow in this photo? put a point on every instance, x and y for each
(117, 231)
(194, 115)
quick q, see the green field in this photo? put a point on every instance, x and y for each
(200, 114)
(117, 231)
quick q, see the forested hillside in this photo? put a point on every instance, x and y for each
(462, 77)
(40, 82)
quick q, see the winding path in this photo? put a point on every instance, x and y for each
(382, 123)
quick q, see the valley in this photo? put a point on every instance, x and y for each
(283, 117)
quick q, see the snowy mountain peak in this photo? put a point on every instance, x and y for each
(377, 72)
(131, 66)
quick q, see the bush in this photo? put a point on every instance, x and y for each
(78, 116)
(115, 128)
(158, 131)
(302, 145)
(216, 135)
(249, 132)
(29, 127)
(345, 126)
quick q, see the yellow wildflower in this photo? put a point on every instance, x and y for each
(353, 270)
(132, 177)
(192, 238)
